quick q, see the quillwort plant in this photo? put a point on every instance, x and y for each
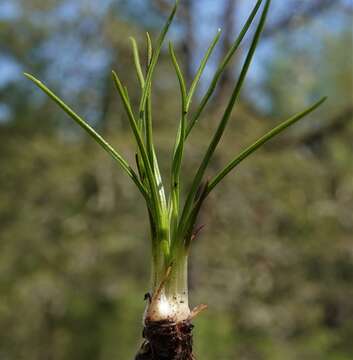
(167, 319)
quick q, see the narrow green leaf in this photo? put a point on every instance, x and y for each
(159, 182)
(221, 68)
(147, 114)
(180, 77)
(137, 62)
(152, 154)
(98, 138)
(141, 124)
(155, 57)
(149, 129)
(127, 94)
(127, 105)
(140, 169)
(202, 68)
(146, 97)
(222, 125)
(149, 49)
(141, 147)
(178, 147)
(261, 141)
(149, 134)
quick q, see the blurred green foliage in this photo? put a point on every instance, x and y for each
(275, 259)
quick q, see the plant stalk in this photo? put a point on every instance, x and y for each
(167, 318)
(169, 298)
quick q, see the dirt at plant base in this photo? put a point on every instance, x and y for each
(166, 340)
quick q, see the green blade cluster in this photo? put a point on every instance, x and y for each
(172, 225)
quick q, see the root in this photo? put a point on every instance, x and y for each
(166, 340)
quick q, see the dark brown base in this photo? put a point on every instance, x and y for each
(166, 340)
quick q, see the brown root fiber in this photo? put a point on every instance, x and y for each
(166, 340)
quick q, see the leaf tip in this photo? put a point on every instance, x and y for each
(320, 102)
(29, 76)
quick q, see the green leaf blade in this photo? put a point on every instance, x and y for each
(178, 147)
(137, 62)
(222, 66)
(155, 57)
(202, 68)
(261, 141)
(225, 118)
(180, 77)
(155, 196)
(98, 138)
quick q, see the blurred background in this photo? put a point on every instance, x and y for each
(275, 259)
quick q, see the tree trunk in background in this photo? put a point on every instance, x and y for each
(189, 43)
(228, 23)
